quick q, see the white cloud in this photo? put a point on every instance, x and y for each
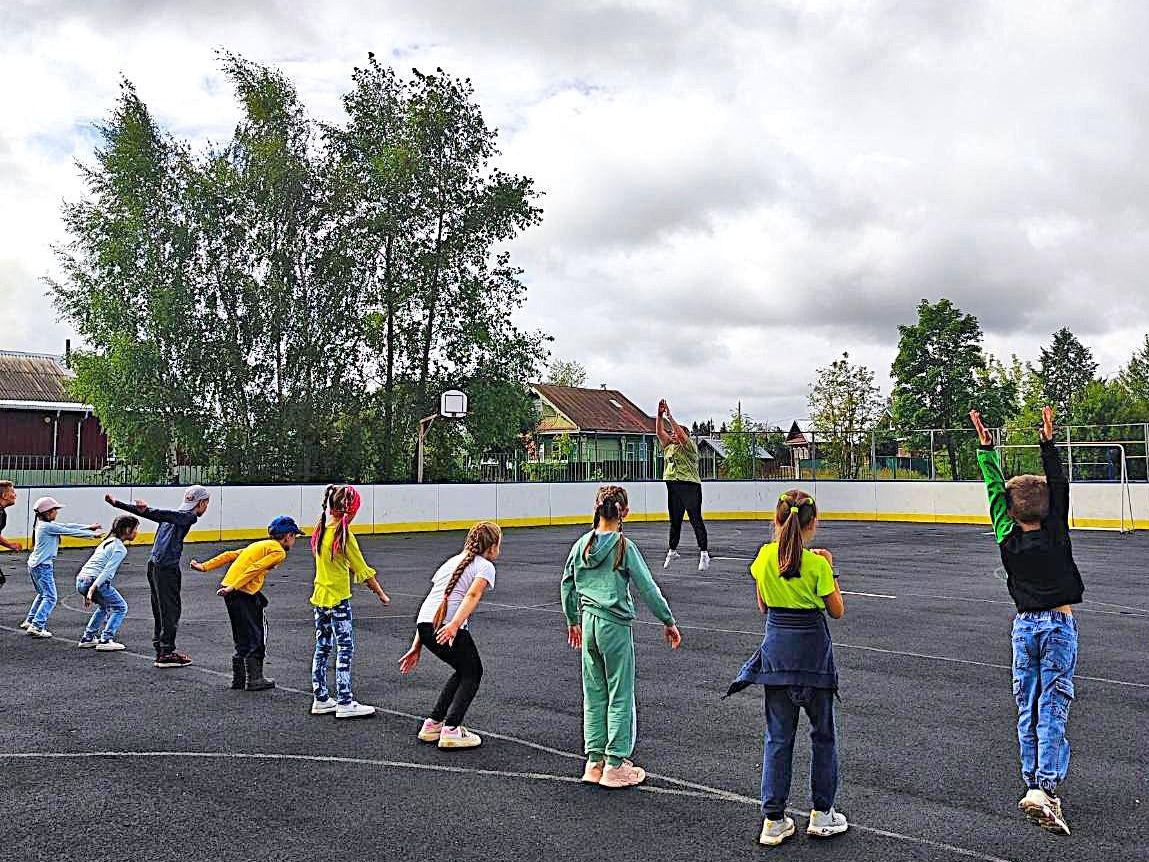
(734, 194)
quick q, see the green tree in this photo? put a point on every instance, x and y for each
(1066, 367)
(844, 406)
(566, 373)
(742, 444)
(1134, 380)
(936, 372)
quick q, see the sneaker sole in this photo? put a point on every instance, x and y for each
(346, 715)
(826, 831)
(428, 737)
(612, 785)
(171, 664)
(1041, 816)
(775, 840)
(322, 710)
(86, 645)
(459, 744)
(99, 648)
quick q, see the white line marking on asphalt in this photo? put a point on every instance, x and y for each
(713, 794)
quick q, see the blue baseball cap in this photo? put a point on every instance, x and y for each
(284, 526)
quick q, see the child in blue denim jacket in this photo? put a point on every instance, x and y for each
(1030, 517)
(45, 546)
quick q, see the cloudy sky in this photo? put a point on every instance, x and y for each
(736, 192)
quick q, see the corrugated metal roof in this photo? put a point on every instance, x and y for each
(33, 377)
(719, 445)
(597, 409)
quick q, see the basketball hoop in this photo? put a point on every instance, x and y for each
(452, 405)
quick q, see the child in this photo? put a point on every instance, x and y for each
(795, 664)
(596, 580)
(1030, 517)
(242, 592)
(164, 576)
(338, 563)
(94, 583)
(683, 484)
(7, 499)
(45, 546)
(443, 625)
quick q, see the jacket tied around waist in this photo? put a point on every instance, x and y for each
(796, 651)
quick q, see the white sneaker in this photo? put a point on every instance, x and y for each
(774, 832)
(826, 824)
(86, 644)
(670, 556)
(459, 737)
(38, 632)
(1044, 810)
(703, 561)
(109, 646)
(323, 707)
(24, 624)
(355, 709)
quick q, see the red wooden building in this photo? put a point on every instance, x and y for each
(42, 427)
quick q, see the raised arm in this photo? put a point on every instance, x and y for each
(660, 425)
(1055, 477)
(140, 508)
(987, 459)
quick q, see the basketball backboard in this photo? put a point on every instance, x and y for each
(453, 404)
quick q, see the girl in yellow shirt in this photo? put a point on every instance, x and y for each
(338, 564)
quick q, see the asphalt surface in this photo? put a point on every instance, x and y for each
(104, 757)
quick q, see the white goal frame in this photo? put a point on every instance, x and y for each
(1126, 497)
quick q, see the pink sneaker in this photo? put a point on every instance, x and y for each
(593, 772)
(430, 731)
(626, 774)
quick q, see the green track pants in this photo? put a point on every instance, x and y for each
(608, 713)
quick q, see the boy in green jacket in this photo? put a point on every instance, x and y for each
(599, 609)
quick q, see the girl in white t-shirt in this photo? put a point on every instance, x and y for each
(442, 627)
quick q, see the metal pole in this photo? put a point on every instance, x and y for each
(424, 425)
(1069, 447)
(873, 456)
(932, 473)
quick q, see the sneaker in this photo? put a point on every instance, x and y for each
(626, 774)
(592, 774)
(1044, 810)
(670, 557)
(774, 832)
(173, 659)
(430, 730)
(323, 707)
(459, 737)
(703, 561)
(37, 632)
(355, 709)
(826, 824)
(24, 624)
(86, 644)
(109, 646)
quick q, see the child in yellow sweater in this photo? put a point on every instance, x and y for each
(242, 592)
(338, 564)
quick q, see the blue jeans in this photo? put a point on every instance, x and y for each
(333, 627)
(44, 581)
(1044, 659)
(108, 616)
(782, 706)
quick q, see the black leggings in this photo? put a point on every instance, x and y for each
(460, 689)
(685, 498)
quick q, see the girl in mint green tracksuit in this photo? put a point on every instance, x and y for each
(599, 610)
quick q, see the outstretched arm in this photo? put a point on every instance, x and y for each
(1055, 477)
(987, 459)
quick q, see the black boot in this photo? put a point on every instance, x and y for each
(238, 673)
(255, 680)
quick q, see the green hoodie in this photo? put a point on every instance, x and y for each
(605, 593)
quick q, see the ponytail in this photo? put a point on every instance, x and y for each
(793, 517)
(480, 539)
(321, 525)
(609, 504)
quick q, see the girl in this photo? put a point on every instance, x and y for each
(46, 535)
(795, 587)
(596, 579)
(683, 484)
(442, 625)
(338, 564)
(94, 583)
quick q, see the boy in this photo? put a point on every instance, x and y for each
(242, 592)
(1030, 517)
(164, 577)
(7, 499)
